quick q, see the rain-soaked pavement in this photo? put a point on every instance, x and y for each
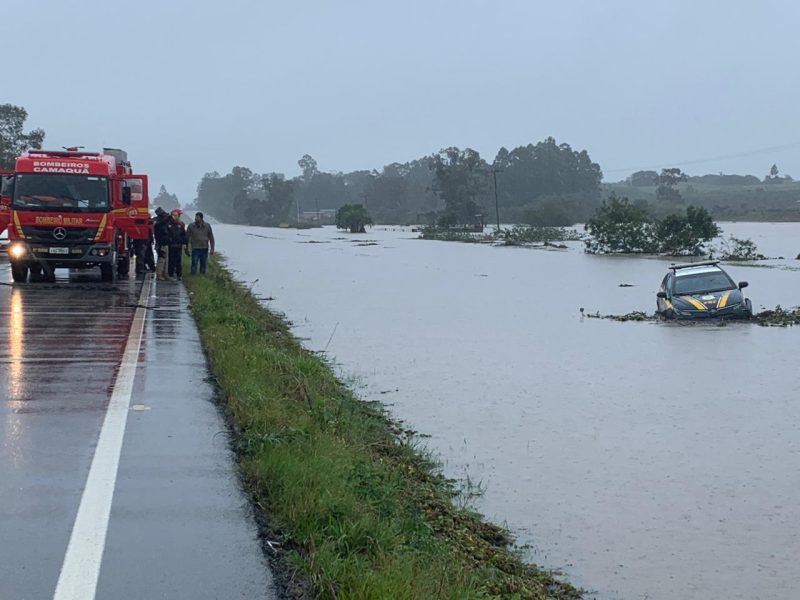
(179, 525)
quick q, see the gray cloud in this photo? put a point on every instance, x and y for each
(189, 87)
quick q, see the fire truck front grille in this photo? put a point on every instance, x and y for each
(66, 235)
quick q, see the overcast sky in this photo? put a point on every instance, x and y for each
(190, 87)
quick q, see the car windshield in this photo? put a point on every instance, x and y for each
(702, 282)
(76, 193)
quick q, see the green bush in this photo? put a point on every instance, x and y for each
(621, 227)
(353, 217)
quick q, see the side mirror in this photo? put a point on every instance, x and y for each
(661, 295)
(126, 196)
(743, 284)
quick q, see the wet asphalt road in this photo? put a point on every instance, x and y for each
(179, 524)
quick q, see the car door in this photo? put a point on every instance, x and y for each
(660, 304)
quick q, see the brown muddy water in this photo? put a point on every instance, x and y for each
(645, 460)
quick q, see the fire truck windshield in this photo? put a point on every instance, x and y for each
(71, 193)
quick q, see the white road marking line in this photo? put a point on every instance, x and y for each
(81, 568)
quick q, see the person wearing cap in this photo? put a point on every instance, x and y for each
(161, 235)
(200, 238)
(177, 242)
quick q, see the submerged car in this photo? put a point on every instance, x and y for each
(701, 290)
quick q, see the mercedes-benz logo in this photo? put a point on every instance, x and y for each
(59, 233)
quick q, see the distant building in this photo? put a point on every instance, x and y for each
(323, 216)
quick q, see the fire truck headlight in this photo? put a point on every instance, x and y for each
(17, 251)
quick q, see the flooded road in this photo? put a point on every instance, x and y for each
(645, 460)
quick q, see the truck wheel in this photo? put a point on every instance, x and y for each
(123, 266)
(19, 273)
(107, 272)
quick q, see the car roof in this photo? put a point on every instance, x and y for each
(698, 270)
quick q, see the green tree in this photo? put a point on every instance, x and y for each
(547, 173)
(460, 180)
(353, 217)
(166, 200)
(774, 176)
(686, 234)
(308, 166)
(667, 190)
(13, 140)
(619, 226)
(279, 198)
(216, 193)
(643, 178)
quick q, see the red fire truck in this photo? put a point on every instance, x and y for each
(73, 209)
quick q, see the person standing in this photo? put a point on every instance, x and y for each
(201, 240)
(161, 235)
(177, 242)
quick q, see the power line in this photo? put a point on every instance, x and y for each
(709, 159)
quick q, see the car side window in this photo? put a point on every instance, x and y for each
(664, 283)
(668, 284)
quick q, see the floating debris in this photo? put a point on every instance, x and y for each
(626, 285)
(636, 315)
(778, 317)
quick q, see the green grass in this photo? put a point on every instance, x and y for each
(362, 512)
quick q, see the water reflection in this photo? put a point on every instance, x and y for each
(16, 349)
(16, 337)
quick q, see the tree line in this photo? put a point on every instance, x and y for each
(545, 183)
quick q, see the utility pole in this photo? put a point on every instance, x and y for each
(494, 171)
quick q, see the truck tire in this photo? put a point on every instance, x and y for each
(19, 273)
(123, 266)
(107, 272)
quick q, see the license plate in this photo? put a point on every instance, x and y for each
(59, 250)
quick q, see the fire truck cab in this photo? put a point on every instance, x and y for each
(73, 209)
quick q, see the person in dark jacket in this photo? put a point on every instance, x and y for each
(177, 243)
(161, 235)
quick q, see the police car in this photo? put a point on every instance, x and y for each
(701, 290)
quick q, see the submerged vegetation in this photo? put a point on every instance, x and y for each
(737, 249)
(518, 235)
(619, 226)
(353, 217)
(359, 509)
(777, 317)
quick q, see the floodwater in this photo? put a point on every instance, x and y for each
(645, 460)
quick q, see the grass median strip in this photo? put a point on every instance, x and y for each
(363, 512)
